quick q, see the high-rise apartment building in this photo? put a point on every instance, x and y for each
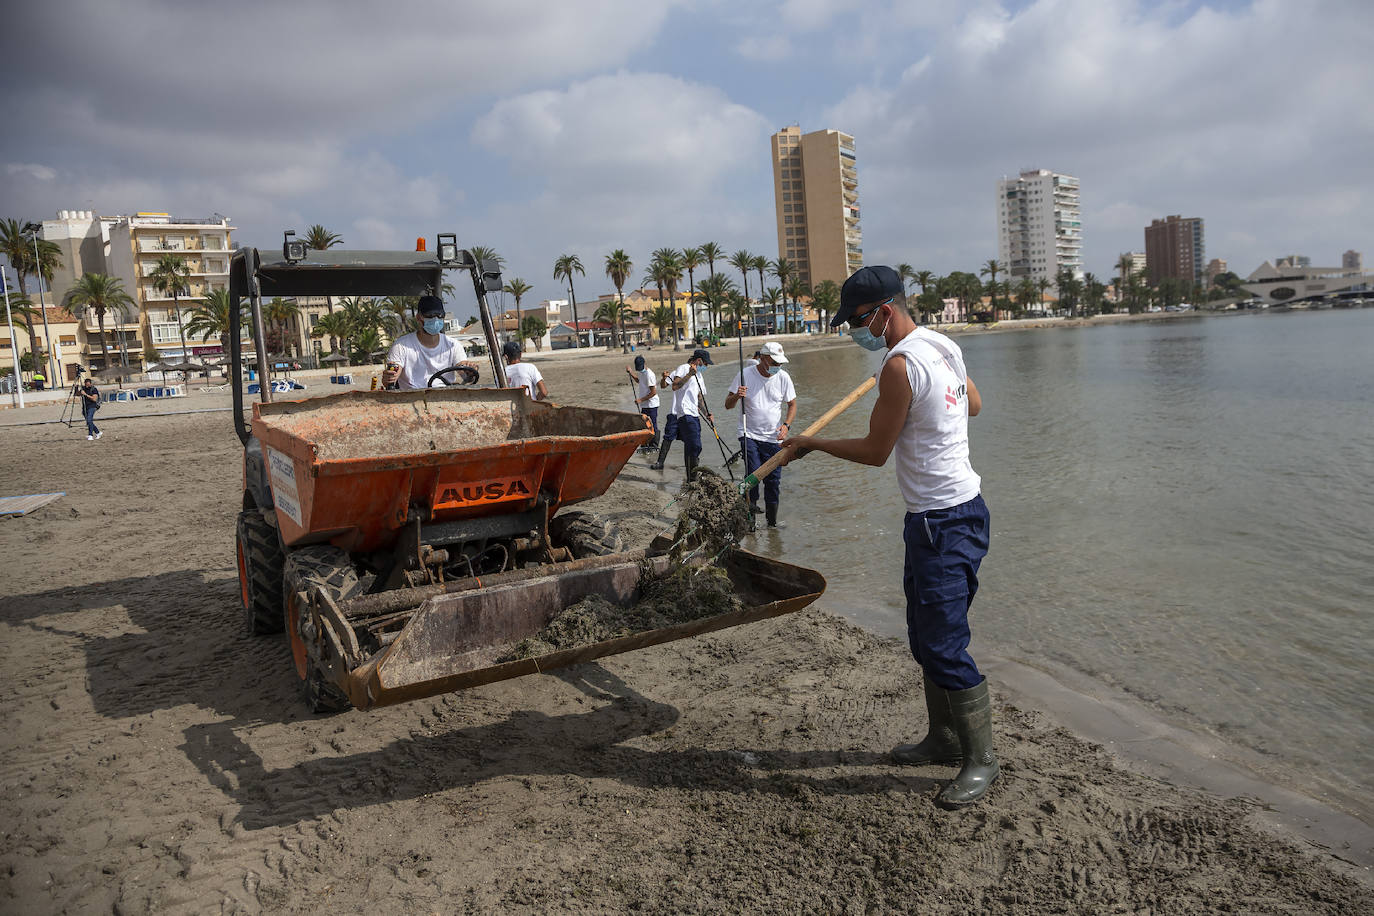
(129, 248)
(1039, 229)
(816, 190)
(1351, 260)
(1174, 249)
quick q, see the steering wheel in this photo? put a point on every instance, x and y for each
(467, 376)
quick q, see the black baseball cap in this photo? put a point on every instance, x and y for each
(639, 364)
(867, 284)
(703, 356)
(430, 305)
(510, 350)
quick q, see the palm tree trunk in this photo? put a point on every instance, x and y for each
(672, 304)
(104, 350)
(577, 332)
(181, 332)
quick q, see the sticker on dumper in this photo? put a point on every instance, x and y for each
(457, 494)
(282, 472)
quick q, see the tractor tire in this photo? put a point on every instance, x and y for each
(307, 569)
(586, 534)
(261, 560)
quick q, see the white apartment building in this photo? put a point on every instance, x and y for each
(1039, 229)
(129, 247)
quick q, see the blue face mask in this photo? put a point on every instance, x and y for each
(769, 371)
(434, 325)
(866, 338)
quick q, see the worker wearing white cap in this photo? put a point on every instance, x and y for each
(769, 406)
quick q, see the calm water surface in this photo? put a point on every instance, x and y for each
(1180, 509)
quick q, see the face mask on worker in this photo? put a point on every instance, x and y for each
(866, 338)
(434, 325)
(768, 371)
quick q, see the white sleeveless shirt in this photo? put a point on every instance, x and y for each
(933, 469)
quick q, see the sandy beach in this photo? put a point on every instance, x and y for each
(156, 759)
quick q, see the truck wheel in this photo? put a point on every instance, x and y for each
(307, 569)
(260, 573)
(586, 534)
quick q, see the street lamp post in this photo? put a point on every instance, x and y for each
(33, 229)
(14, 343)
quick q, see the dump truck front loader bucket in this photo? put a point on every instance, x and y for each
(454, 638)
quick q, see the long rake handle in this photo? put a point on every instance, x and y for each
(768, 466)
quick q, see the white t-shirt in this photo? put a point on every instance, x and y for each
(685, 398)
(646, 385)
(763, 405)
(933, 469)
(419, 362)
(522, 373)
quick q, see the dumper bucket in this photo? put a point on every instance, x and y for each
(454, 637)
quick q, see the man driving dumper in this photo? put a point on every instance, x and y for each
(415, 357)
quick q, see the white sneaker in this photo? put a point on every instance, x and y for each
(98, 435)
(90, 438)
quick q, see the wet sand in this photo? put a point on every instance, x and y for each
(158, 759)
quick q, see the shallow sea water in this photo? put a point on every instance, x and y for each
(1181, 510)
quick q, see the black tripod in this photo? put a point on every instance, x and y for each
(70, 407)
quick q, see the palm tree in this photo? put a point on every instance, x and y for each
(906, 273)
(990, 270)
(612, 312)
(321, 239)
(618, 268)
(712, 253)
(783, 269)
(826, 298)
(334, 326)
(668, 261)
(210, 316)
(772, 297)
(660, 318)
(715, 291)
(796, 289)
(397, 312)
(691, 260)
(279, 314)
(743, 261)
(760, 265)
(517, 288)
(17, 244)
(172, 276)
(1042, 284)
(100, 293)
(563, 269)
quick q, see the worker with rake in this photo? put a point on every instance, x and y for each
(925, 398)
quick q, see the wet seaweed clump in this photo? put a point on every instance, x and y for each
(713, 514)
(688, 593)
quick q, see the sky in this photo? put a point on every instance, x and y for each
(541, 128)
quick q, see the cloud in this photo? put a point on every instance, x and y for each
(1156, 110)
(630, 160)
(31, 169)
(765, 48)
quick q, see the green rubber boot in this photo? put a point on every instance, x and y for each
(941, 744)
(971, 711)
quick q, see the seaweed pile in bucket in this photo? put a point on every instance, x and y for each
(713, 518)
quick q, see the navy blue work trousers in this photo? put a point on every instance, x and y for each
(88, 411)
(652, 414)
(670, 429)
(689, 432)
(944, 548)
(755, 454)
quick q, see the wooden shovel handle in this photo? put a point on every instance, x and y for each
(771, 464)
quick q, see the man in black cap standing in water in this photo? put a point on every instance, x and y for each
(925, 398)
(689, 403)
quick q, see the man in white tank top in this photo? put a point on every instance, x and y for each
(925, 398)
